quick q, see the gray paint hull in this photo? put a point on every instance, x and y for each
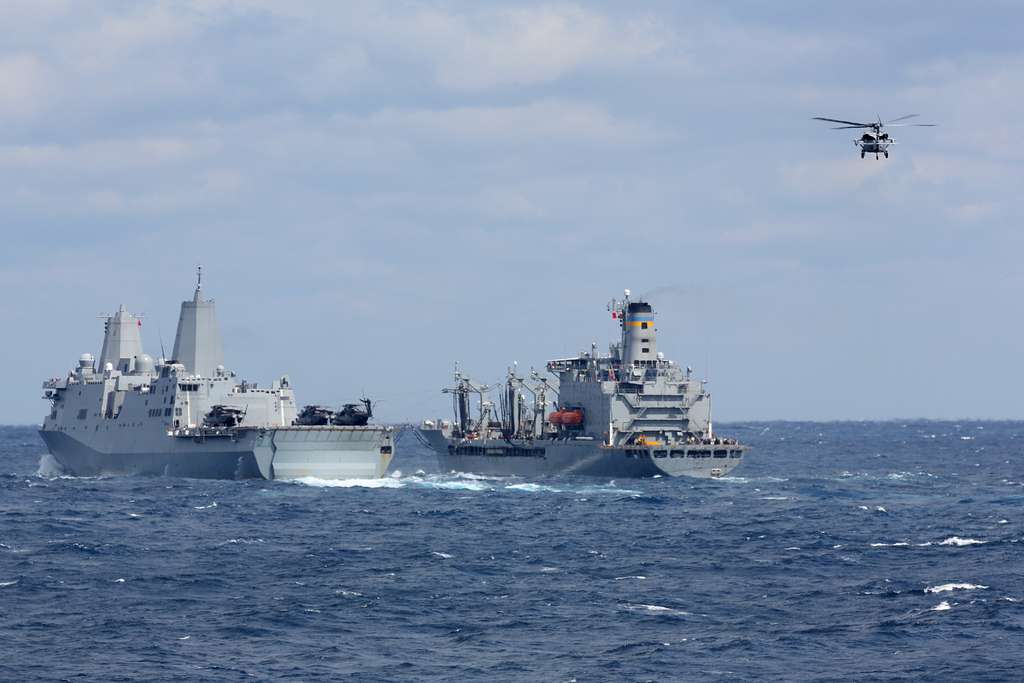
(582, 457)
(285, 453)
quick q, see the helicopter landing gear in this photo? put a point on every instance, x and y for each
(862, 154)
(886, 155)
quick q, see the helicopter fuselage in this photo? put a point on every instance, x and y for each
(874, 140)
(874, 144)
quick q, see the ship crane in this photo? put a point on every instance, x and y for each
(460, 395)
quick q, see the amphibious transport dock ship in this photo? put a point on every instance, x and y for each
(188, 416)
(628, 414)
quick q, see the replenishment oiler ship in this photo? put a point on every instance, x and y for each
(631, 413)
(188, 416)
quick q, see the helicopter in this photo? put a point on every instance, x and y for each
(874, 141)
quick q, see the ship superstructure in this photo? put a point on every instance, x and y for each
(630, 413)
(190, 416)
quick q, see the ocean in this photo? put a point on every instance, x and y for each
(854, 550)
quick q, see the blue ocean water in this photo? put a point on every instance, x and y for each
(865, 551)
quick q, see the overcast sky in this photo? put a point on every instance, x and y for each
(376, 190)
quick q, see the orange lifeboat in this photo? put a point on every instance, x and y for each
(567, 418)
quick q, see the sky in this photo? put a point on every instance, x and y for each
(378, 190)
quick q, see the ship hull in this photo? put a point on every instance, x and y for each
(282, 453)
(542, 458)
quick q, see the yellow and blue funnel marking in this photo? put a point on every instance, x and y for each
(638, 320)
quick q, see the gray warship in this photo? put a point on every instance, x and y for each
(631, 413)
(188, 416)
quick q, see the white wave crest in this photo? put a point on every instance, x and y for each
(606, 488)
(733, 479)
(654, 609)
(397, 482)
(946, 587)
(241, 541)
(957, 541)
(5, 584)
(206, 507)
(636, 576)
(941, 607)
(532, 488)
(443, 556)
(898, 544)
(471, 476)
(317, 482)
(49, 467)
(468, 485)
(457, 481)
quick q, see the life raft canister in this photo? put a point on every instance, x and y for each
(567, 418)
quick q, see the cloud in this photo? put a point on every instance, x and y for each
(525, 46)
(977, 101)
(942, 169)
(26, 86)
(830, 176)
(105, 155)
(545, 121)
(391, 148)
(973, 212)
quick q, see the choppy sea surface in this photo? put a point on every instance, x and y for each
(864, 551)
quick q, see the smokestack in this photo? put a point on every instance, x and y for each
(639, 338)
(122, 341)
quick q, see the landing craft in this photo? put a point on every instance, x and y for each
(874, 141)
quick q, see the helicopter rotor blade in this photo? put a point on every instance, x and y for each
(902, 118)
(845, 127)
(849, 123)
(920, 125)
